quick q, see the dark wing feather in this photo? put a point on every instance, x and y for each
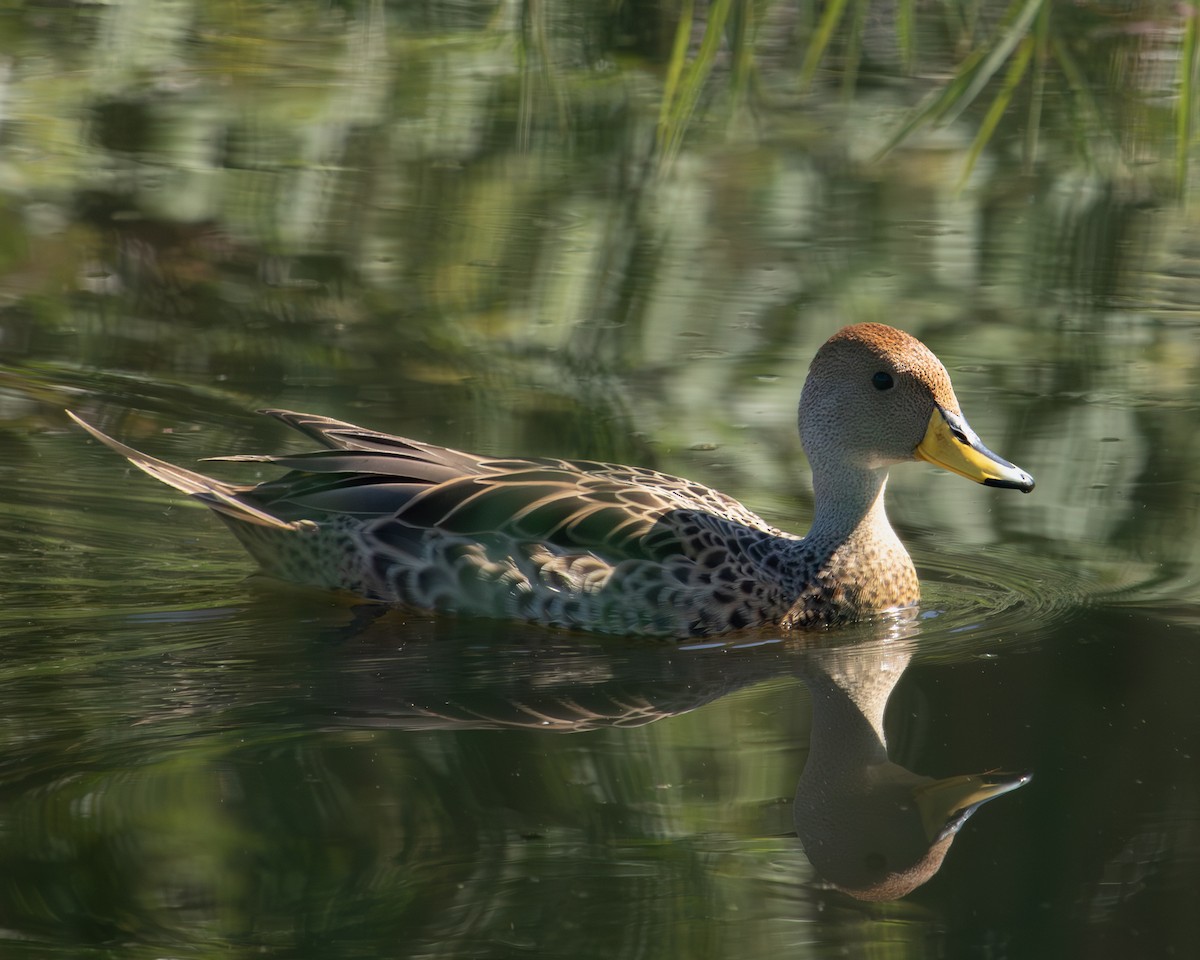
(427, 468)
(610, 509)
(339, 435)
(644, 493)
(366, 498)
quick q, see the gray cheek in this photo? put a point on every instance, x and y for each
(911, 422)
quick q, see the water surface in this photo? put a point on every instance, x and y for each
(468, 223)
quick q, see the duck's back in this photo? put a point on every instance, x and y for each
(572, 543)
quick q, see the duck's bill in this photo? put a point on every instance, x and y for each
(946, 805)
(951, 444)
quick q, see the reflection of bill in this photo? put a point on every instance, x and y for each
(869, 826)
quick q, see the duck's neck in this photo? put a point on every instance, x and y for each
(858, 564)
(849, 692)
(848, 505)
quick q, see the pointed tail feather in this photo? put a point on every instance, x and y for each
(219, 496)
(340, 435)
(325, 430)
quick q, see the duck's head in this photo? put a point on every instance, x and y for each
(876, 396)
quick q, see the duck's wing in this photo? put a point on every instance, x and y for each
(340, 435)
(612, 510)
(404, 488)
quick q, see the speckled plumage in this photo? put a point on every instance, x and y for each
(600, 546)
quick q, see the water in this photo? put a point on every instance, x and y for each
(451, 221)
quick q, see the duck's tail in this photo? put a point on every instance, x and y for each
(223, 498)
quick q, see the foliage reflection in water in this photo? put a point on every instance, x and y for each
(614, 231)
(234, 803)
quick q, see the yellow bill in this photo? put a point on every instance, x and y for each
(946, 804)
(951, 444)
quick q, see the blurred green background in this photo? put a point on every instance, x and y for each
(609, 229)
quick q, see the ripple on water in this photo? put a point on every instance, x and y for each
(973, 604)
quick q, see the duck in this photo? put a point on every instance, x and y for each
(603, 547)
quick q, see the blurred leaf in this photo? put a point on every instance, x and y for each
(854, 49)
(1087, 111)
(972, 76)
(906, 37)
(1037, 87)
(685, 81)
(816, 47)
(1187, 95)
(1016, 71)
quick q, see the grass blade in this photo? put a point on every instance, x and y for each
(1037, 89)
(1016, 72)
(683, 32)
(972, 76)
(820, 40)
(906, 38)
(1187, 97)
(1012, 35)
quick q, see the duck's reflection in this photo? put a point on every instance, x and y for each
(870, 827)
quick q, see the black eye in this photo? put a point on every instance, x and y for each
(883, 381)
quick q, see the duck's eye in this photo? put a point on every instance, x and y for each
(883, 380)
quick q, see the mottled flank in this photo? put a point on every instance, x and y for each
(600, 546)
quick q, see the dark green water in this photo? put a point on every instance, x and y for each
(464, 222)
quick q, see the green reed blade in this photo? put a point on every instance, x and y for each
(972, 76)
(1187, 93)
(679, 48)
(1011, 35)
(1037, 88)
(820, 40)
(1012, 78)
(692, 77)
(906, 37)
(1088, 111)
(854, 48)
